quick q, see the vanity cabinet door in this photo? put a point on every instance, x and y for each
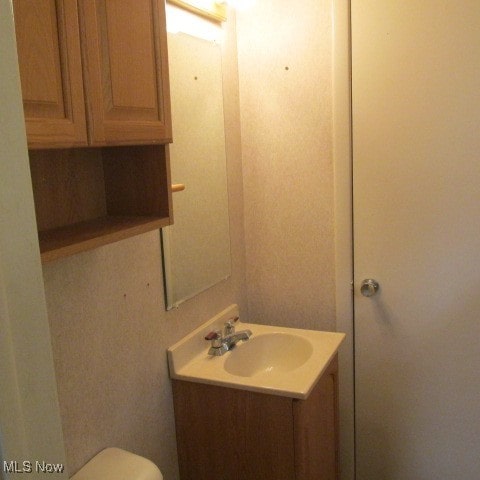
(126, 71)
(226, 433)
(48, 44)
(316, 429)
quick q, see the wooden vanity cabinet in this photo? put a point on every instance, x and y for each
(94, 73)
(228, 433)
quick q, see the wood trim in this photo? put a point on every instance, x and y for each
(168, 180)
(162, 65)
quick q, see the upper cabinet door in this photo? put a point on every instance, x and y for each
(126, 71)
(48, 43)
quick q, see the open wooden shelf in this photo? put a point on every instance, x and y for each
(64, 241)
(89, 197)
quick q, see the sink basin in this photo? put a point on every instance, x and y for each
(275, 360)
(271, 352)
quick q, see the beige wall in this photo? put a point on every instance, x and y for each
(286, 121)
(110, 330)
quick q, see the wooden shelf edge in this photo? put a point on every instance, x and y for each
(69, 240)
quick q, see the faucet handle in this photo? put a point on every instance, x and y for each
(213, 335)
(218, 347)
(229, 326)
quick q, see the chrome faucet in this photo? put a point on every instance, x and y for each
(224, 341)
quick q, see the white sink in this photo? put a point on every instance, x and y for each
(276, 360)
(273, 353)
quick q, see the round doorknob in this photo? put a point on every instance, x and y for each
(369, 287)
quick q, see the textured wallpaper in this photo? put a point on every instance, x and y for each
(285, 72)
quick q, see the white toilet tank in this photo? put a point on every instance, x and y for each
(117, 464)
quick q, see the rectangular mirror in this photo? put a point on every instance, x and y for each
(196, 249)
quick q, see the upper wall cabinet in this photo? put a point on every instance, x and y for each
(116, 49)
(125, 68)
(94, 73)
(48, 42)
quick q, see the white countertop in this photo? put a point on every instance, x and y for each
(189, 360)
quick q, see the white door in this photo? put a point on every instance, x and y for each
(416, 156)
